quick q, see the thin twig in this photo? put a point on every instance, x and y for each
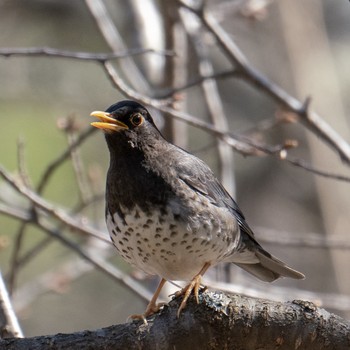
(49, 208)
(247, 72)
(9, 326)
(301, 163)
(37, 248)
(102, 265)
(94, 259)
(119, 83)
(44, 180)
(306, 240)
(79, 55)
(240, 143)
(241, 146)
(72, 269)
(213, 101)
(115, 41)
(14, 260)
(29, 254)
(19, 214)
(195, 82)
(78, 167)
(324, 299)
(50, 169)
(22, 228)
(21, 163)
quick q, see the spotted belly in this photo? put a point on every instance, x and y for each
(171, 247)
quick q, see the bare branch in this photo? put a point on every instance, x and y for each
(9, 326)
(217, 76)
(52, 280)
(61, 276)
(245, 71)
(30, 254)
(245, 146)
(22, 168)
(94, 259)
(213, 101)
(307, 239)
(49, 208)
(296, 324)
(219, 321)
(19, 214)
(77, 226)
(15, 256)
(22, 228)
(99, 263)
(115, 41)
(88, 56)
(306, 166)
(50, 169)
(68, 125)
(240, 143)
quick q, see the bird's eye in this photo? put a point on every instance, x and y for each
(137, 119)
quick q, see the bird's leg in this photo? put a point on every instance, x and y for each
(194, 286)
(152, 306)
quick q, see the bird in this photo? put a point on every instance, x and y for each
(166, 212)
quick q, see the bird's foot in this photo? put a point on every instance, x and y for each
(151, 309)
(186, 292)
(194, 286)
(152, 306)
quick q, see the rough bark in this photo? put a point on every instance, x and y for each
(219, 321)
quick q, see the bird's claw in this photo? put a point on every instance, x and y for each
(150, 310)
(186, 292)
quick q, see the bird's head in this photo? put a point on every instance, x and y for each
(126, 120)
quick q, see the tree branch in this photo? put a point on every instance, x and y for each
(219, 322)
(248, 73)
(79, 55)
(9, 326)
(240, 143)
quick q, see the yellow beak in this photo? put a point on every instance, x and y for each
(107, 123)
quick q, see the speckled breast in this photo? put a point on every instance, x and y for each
(173, 247)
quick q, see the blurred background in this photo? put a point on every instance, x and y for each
(45, 104)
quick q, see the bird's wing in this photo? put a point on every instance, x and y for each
(199, 177)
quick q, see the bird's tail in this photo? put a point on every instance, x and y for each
(268, 268)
